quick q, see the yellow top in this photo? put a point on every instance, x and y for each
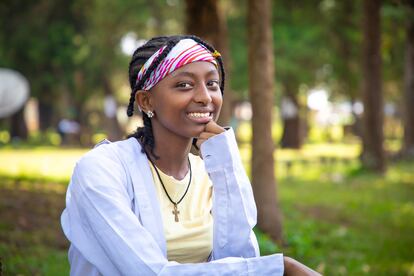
(189, 240)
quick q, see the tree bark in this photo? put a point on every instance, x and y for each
(346, 59)
(206, 20)
(291, 138)
(46, 112)
(373, 156)
(408, 144)
(18, 127)
(261, 86)
(292, 127)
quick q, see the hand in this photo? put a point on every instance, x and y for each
(211, 129)
(293, 267)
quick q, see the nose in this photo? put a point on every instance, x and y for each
(202, 94)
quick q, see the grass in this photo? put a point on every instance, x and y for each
(337, 218)
(50, 163)
(362, 224)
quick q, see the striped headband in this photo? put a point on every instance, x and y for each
(184, 52)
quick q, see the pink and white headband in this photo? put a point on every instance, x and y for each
(184, 52)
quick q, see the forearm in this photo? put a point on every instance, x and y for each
(234, 209)
(295, 268)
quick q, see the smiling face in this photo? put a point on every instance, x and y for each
(184, 101)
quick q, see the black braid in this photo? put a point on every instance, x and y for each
(145, 134)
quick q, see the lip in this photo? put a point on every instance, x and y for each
(200, 120)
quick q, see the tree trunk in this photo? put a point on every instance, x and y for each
(18, 127)
(84, 137)
(357, 126)
(373, 156)
(206, 20)
(45, 114)
(292, 128)
(291, 138)
(408, 144)
(261, 86)
(347, 58)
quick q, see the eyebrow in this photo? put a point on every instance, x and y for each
(190, 74)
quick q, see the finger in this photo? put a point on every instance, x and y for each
(199, 142)
(213, 127)
(205, 135)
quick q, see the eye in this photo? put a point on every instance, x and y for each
(214, 84)
(184, 85)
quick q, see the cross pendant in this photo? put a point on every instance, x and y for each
(175, 212)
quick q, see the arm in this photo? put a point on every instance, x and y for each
(234, 208)
(293, 267)
(234, 200)
(98, 220)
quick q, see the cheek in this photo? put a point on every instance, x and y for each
(171, 108)
(218, 101)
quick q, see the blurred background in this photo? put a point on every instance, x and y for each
(336, 131)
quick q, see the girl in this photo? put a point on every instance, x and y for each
(146, 205)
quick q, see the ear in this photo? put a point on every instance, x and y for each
(144, 100)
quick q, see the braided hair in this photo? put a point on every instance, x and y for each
(145, 134)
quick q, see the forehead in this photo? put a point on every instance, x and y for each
(198, 68)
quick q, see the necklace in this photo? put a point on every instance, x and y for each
(175, 212)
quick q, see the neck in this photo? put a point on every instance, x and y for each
(173, 154)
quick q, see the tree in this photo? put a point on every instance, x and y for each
(18, 127)
(345, 35)
(373, 155)
(261, 87)
(300, 48)
(205, 19)
(38, 42)
(408, 143)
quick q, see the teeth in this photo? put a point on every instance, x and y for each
(199, 115)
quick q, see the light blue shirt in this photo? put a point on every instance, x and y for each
(114, 223)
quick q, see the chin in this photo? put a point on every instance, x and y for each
(196, 134)
(193, 132)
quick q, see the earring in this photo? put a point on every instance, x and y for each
(150, 114)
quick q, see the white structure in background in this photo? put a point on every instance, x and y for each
(66, 126)
(129, 42)
(288, 109)
(14, 91)
(110, 107)
(318, 101)
(358, 108)
(243, 111)
(329, 113)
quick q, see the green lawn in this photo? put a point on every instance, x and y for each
(337, 218)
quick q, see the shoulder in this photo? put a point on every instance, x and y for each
(107, 158)
(111, 151)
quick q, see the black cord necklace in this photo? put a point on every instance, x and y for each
(175, 212)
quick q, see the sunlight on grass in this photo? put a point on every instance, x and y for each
(42, 162)
(58, 163)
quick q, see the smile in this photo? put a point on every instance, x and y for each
(200, 117)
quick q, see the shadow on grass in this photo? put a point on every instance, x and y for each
(31, 240)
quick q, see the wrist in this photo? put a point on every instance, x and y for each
(287, 263)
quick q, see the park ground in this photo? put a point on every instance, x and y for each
(337, 218)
